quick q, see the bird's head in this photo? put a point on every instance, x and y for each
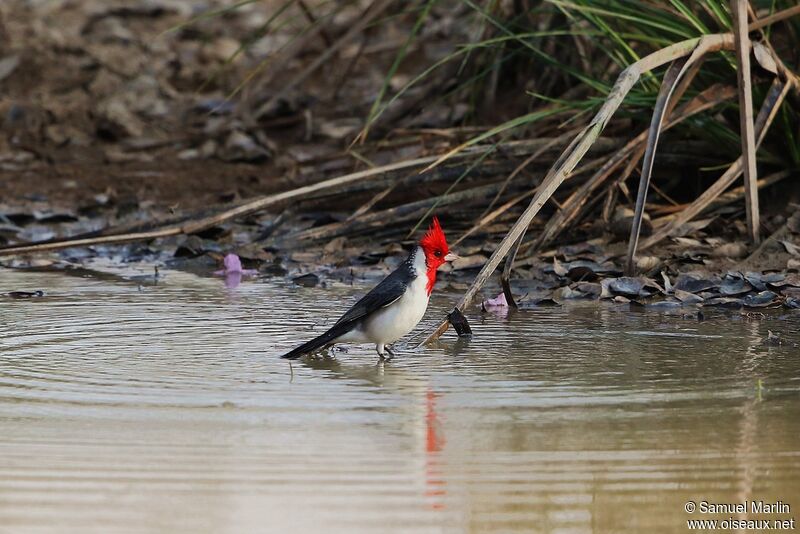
(434, 244)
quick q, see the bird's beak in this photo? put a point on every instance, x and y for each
(450, 257)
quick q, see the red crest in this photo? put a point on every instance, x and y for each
(434, 244)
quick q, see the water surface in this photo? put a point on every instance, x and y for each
(132, 407)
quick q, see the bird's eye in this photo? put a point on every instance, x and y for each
(438, 253)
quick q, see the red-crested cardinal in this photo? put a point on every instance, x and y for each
(394, 307)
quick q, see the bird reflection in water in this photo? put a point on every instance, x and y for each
(434, 441)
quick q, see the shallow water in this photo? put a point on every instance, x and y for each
(129, 407)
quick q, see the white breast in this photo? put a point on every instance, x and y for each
(399, 318)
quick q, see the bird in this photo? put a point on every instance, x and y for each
(392, 308)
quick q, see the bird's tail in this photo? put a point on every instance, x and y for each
(319, 341)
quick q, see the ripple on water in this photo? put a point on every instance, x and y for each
(166, 409)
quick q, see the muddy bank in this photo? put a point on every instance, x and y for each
(169, 100)
(693, 274)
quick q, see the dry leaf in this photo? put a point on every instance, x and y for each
(791, 248)
(764, 57)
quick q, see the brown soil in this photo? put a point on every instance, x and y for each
(99, 96)
(189, 184)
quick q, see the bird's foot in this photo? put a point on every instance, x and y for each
(382, 350)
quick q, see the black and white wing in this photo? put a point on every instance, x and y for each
(388, 291)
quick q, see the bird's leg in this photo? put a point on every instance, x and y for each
(379, 349)
(390, 351)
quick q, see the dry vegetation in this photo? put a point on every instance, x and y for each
(605, 131)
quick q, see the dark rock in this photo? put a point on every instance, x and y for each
(627, 286)
(755, 280)
(191, 247)
(589, 289)
(580, 273)
(567, 293)
(787, 281)
(694, 284)
(20, 219)
(687, 298)
(57, 218)
(538, 303)
(215, 232)
(25, 294)
(760, 300)
(732, 286)
(306, 280)
(573, 252)
(724, 302)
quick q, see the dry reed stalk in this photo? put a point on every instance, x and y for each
(742, 45)
(763, 120)
(578, 148)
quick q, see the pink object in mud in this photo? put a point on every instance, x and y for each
(233, 265)
(497, 306)
(498, 302)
